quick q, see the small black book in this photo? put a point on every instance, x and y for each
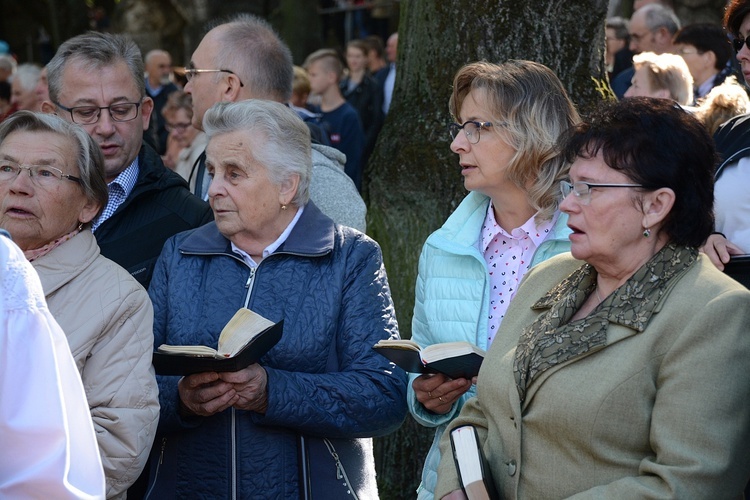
(471, 464)
(245, 339)
(454, 359)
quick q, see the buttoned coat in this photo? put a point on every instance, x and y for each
(659, 414)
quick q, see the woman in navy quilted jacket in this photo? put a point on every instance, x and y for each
(237, 434)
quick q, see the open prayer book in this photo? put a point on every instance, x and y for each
(242, 342)
(454, 359)
(471, 464)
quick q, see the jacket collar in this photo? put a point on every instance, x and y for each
(552, 340)
(465, 223)
(313, 235)
(62, 264)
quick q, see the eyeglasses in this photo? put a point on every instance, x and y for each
(88, 115)
(179, 127)
(42, 176)
(470, 128)
(738, 42)
(191, 72)
(582, 190)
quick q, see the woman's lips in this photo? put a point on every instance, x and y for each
(18, 212)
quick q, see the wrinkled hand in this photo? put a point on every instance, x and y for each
(455, 495)
(205, 394)
(718, 249)
(437, 392)
(250, 385)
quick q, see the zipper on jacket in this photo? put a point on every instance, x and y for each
(234, 454)
(249, 285)
(158, 466)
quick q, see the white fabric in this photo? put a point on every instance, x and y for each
(273, 246)
(390, 81)
(47, 443)
(732, 205)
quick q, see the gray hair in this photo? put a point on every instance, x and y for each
(96, 50)
(667, 72)
(7, 63)
(256, 53)
(90, 160)
(657, 16)
(284, 148)
(27, 75)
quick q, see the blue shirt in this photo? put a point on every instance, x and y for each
(119, 190)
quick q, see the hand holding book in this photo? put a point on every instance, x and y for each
(454, 359)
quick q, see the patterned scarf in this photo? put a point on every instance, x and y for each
(553, 339)
(32, 255)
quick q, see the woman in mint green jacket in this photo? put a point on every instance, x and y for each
(509, 117)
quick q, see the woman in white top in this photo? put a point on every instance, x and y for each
(48, 445)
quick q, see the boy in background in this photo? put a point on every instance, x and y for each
(338, 118)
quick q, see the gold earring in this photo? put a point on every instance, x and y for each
(80, 226)
(283, 207)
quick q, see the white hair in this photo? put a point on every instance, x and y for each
(284, 145)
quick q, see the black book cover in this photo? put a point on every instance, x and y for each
(462, 366)
(185, 364)
(471, 464)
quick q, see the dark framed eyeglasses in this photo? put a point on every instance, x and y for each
(88, 115)
(191, 72)
(738, 42)
(582, 190)
(43, 176)
(470, 128)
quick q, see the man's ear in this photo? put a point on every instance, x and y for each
(147, 107)
(48, 107)
(233, 88)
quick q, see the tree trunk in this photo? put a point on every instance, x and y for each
(414, 181)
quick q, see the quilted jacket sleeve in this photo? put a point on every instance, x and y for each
(367, 396)
(124, 403)
(421, 335)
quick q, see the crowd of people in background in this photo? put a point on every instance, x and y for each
(144, 203)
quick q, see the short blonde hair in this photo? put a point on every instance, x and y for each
(330, 61)
(667, 72)
(301, 83)
(534, 108)
(725, 101)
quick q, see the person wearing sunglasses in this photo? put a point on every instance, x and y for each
(508, 118)
(620, 369)
(732, 231)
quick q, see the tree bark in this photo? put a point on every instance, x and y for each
(414, 181)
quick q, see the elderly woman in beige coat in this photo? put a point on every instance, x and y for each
(621, 371)
(51, 188)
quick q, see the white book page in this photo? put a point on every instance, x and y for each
(243, 327)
